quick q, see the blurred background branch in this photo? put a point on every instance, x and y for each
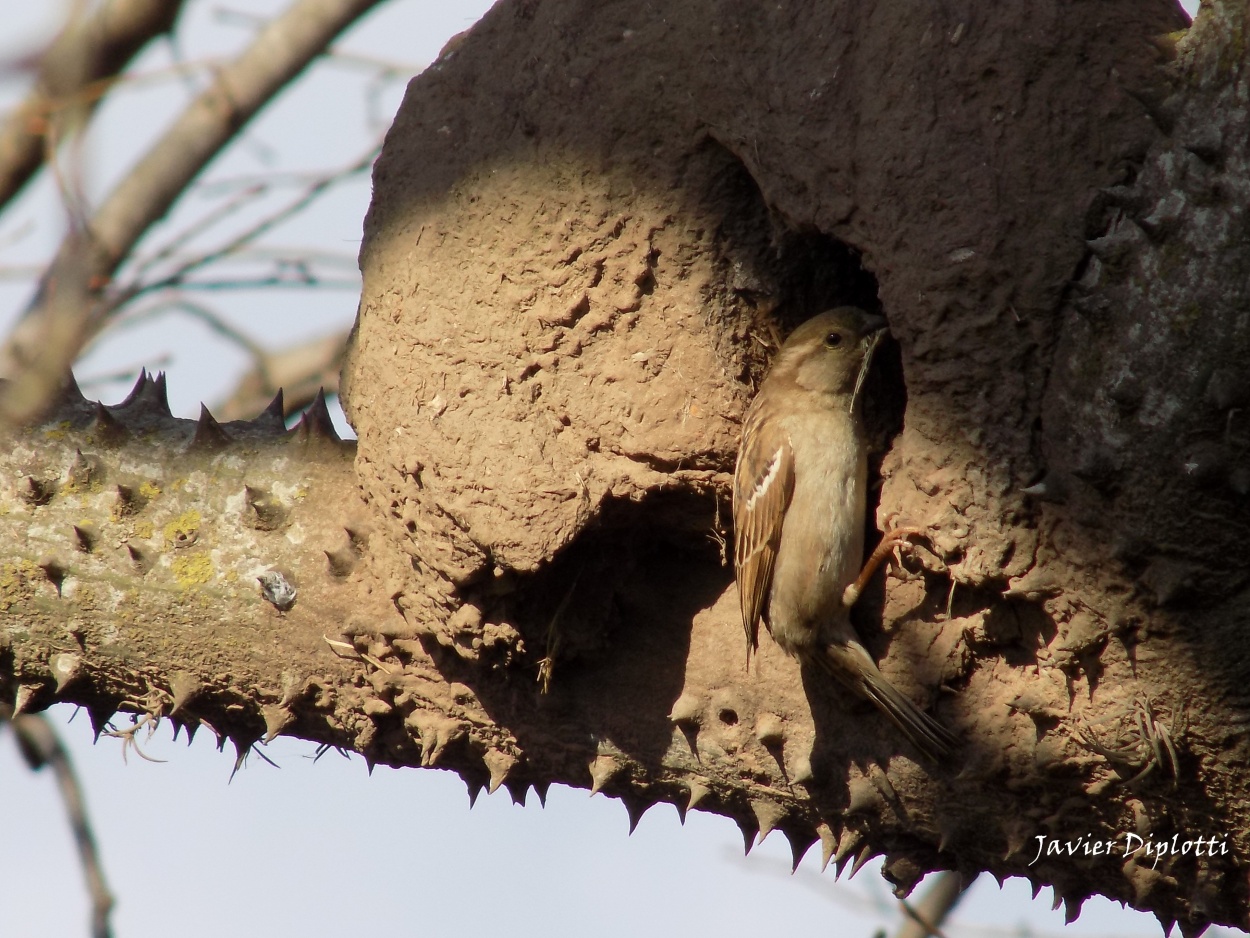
(76, 295)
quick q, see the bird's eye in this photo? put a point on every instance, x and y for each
(833, 340)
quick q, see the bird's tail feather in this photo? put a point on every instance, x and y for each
(851, 664)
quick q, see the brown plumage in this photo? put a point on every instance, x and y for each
(799, 507)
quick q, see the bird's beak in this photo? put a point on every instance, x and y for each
(874, 330)
(874, 325)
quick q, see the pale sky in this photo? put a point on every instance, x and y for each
(324, 849)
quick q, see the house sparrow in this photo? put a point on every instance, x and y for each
(799, 505)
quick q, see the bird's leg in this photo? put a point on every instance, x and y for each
(892, 539)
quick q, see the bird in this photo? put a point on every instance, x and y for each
(799, 506)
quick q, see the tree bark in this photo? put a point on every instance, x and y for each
(590, 225)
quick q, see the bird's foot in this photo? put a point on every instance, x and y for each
(895, 537)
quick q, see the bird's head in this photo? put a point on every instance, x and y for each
(831, 352)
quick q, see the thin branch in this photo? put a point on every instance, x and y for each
(75, 72)
(305, 281)
(231, 247)
(201, 313)
(41, 746)
(924, 918)
(219, 213)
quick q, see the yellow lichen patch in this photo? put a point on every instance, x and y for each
(192, 570)
(16, 582)
(183, 530)
(144, 530)
(59, 432)
(149, 490)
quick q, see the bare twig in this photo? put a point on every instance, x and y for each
(197, 311)
(75, 71)
(41, 746)
(924, 918)
(73, 298)
(250, 234)
(225, 210)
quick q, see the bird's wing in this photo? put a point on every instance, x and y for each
(763, 485)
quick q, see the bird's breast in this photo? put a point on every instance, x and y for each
(822, 537)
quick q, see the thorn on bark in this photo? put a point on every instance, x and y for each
(209, 436)
(801, 771)
(848, 843)
(603, 770)
(56, 570)
(698, 793)
(127, 500)
(315, 425)
(500, 765)
(23, 700)
(828, 843)
(106, 429)
(800, 842)
(65, 667)
(341, 562)
(85, 472)
(863, 796)
(84, 538)
(864, 856)
(37, 492)
(435, 733)
(149, 396)
(277, 718)
(100, 715)
(687, 711)
(517, 790)
(541, 789)
(264, 512)
(768, 814)
(184, 688)
(139, 558)
(273, 417)
(749, 829)
(635, 807)
(770, 731)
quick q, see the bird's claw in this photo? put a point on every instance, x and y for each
(894, 537)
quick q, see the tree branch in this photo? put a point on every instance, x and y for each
(41, 746)
(74, 73)
(924, 917)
